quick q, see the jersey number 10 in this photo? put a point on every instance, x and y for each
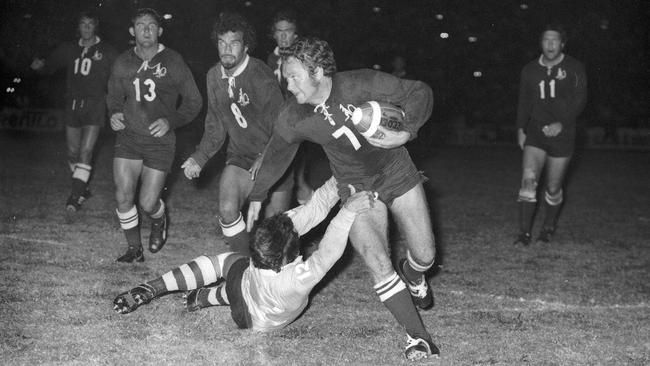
(85, 66)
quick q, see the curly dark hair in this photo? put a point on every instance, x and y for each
(557, 28)
(234, 22)
(312, 53)
(147, 11)
(274, 240)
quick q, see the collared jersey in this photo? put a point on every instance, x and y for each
(242, 106)
(551, 94)
(87, 68)
(275, 299)
(352, 159)
(148, 90)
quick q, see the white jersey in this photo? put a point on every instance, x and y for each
(275, 299)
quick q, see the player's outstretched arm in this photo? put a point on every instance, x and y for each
(316, 209)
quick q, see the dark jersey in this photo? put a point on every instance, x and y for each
(148, 90)
(352, 159)
(243, 107)
(275, 63)
(87, 68)
(547, 95)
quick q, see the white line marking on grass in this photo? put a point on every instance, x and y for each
(30, 240)
(548, 305)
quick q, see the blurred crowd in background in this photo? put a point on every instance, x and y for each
(471, 52)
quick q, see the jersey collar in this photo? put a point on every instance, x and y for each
(97, 40)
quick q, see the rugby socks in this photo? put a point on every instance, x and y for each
(80, 177)
(395, 296)
(526, 215)
(236, 235)
(130, 224)
(552, 205)
(412, 270)
(158, 212)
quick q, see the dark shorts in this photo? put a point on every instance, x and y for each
(284, 184)
(397, 178)
(238, 307)
(155, 153)
(560, 146)
(81, 112)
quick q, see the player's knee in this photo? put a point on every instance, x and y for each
(554, 198)
(421, 261)
(228, 213)
(528, 190)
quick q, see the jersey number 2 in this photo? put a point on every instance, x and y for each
(150, 94)
(542, 89)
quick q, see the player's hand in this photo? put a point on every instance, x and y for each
(255, 168)
(389, 139)
(191, 168)
(359, 202)
(552, 129)
(521, 138)
(159, 127)
(37, 64)
(117, 121)
(254, 208)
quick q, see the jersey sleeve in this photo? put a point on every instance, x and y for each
(578, 100)
(191, 101)
(525, 103)
(414, 97)
(334, 241)
(306, 216)
(214, 132)
(57, 59)
(278, 155)
(116, 95)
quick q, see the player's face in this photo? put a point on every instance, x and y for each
(285, 33)
(299, 82)
(552, 45)
(87, 27)
(146, 31)
(231, 49)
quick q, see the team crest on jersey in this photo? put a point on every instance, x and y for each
(97, 55)
(347, 110)
(159, 71)
(561, 74)
(243, 98)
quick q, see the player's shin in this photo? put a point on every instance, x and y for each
(130, 224)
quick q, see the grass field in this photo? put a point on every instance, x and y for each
(582, 300)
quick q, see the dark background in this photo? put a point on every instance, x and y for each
(610, 37)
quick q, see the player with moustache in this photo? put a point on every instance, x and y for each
(320, 111)
(143, 92)
(270, 289)
(243, 101)
(552, 93)
(88, 64)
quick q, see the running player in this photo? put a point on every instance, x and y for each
(143, 92)
(243, 100)
(320, 111)
(88, 65)
(271, 289)
(552, 93)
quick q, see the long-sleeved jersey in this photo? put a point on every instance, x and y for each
(148, 90)
(275, 299)
(555, 94)
(352, 159)
(87, 68)
(242, 106)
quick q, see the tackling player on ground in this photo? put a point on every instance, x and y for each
(552, 93)
(271, 289)
(88, 65)
(320, 111)
(143, 92)
(243, 100)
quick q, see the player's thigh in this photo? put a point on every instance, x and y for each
(153, 182)
(369, 236)
(533, 160)
(73, 140)
(126, 174)
(89, 135)
(235, 185)
(556, 169)
(411, 214)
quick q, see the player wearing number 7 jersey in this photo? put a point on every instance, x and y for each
(143, 93)
(243, 100)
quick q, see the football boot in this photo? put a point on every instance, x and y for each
(546, 234)
(129, 301)
(523, 238)
(132, 254)
(158, 235)
(418, 348)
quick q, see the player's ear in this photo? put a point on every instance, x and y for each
(132, 31)
(318, 73)
(246, 50)
(160, 30)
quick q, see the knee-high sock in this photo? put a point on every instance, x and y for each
(394, 295)
(80, 177)
(413, 271)
(201, 271)
(236, 235)
(552, 205)
(130, 224)
(526, 215)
